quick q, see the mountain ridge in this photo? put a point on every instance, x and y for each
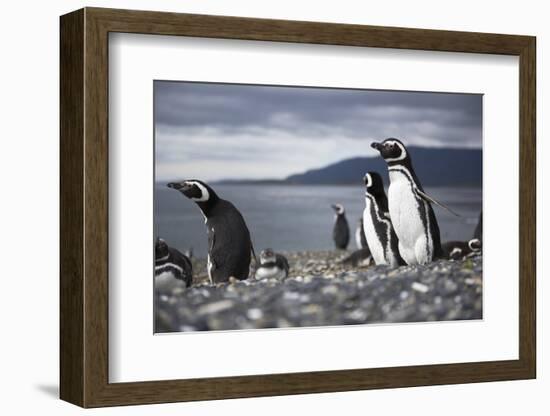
(433, 166)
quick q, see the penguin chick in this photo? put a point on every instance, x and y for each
(171, 266)
(340, 231)
(457, 250)
(229, 243)
(359, 258)
(272, 266)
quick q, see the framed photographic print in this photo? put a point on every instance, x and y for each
(256, 207)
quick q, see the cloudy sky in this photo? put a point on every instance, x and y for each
(228, 131)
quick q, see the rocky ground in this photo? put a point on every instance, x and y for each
(322, 291)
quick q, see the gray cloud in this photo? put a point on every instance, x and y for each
(215, 123)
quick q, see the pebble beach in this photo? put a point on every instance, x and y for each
(322, 291)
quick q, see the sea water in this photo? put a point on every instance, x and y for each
(297, 217)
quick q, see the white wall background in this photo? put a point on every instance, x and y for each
(29, 85)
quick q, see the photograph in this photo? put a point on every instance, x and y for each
(279, 206)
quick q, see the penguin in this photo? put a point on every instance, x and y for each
(360, 239)
(456, 250)
(229, 243)
(359, 258)
(478, 232)
(475, 245)
(381, 237)
(272, 266)
(170, 264)
(410, 207)
(340, 231)
(189, 252)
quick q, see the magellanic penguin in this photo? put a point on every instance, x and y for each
(360, 238)
(272, 265)
(409, 206)
(359, 258)
(456, 250)
(170, 264)
(340, 231)
(381, 237)
(229, 243)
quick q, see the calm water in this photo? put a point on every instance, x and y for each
(296, 217)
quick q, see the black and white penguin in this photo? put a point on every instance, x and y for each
(340, 231)
(360, 238)
(272, 265)
(359, 258)
(381, 237)
(478, 232)
(456, 250)
(229, 243)
(171, 266)
(410, 207)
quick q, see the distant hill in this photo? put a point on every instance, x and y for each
(433, 166)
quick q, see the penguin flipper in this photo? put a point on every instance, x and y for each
(430, 199)
(211, 240)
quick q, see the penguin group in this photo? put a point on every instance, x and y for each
(229, 243)
(396, 229)
(401, 228)
(230, 249)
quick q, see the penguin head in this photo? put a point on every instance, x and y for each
(195, 190)
(475, 245)
(161, 249)
(267, 256)
(373, 183)
(456, 253)
(339, 208)
(392, 150)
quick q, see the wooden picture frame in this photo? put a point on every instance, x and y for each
(84, 207)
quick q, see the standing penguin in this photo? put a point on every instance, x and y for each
(229, 244)
(360, 238)
(340, 231)
(409, 206)
(381, 237)
(272, 265)
(170, 264)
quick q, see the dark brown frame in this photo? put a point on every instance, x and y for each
(84, 210)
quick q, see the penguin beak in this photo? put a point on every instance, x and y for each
(176, 185)
(334, 207)
(376, 145)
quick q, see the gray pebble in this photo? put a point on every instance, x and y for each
(321, 291)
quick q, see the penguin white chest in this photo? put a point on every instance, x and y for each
(270, 273)
(166, 281)
(406, 215)
(377, 250)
